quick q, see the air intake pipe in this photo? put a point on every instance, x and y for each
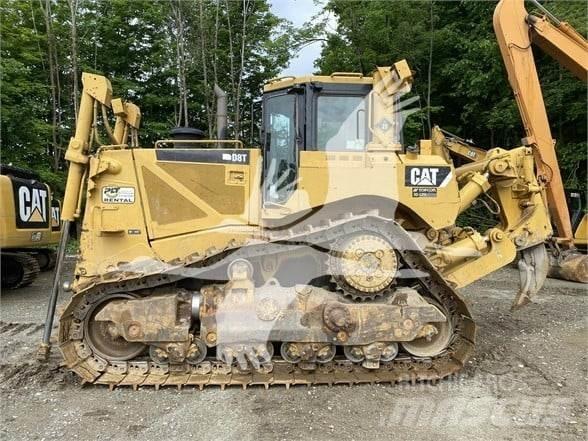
(221, 112)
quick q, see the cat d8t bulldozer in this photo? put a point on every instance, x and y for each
(29, 226)
(330, 255)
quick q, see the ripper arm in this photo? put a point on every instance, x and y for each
(96, 92)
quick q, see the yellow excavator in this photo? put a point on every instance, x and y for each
(29, 226)
(330, 255)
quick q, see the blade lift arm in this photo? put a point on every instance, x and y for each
(97, 92)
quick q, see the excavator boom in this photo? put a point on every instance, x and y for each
(516, 30)
(561, 41)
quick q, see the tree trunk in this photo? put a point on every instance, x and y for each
(231, 55)
(41, 52)
(54, 83)
(181, 63)
(430, 69)
(204, 68)
(241, 69)
(73, 8)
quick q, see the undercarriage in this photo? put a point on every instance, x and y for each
(389, 317)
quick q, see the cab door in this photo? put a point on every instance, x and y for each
(283, 136)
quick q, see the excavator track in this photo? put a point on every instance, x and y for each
(142, 371)
(46, 258)
(18, 269)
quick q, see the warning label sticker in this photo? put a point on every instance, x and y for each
(424, 192)
(118, 195)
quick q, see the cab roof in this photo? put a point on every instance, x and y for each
(334, 78)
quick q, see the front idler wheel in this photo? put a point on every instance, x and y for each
(103, 337)
(435, 337)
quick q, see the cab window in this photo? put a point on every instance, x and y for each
(280, 159)
(341, 123)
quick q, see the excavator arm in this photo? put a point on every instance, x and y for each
(516, 31)
(560, 41)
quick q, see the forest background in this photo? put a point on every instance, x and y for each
(167, 55)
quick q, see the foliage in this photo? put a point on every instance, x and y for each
(237, 44)
(25, 128)
(470, 94)
(167, 55)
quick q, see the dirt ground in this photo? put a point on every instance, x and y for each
(526, 382)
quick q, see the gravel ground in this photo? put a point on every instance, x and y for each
(527, 381)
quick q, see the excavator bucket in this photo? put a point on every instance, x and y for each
(572, 266)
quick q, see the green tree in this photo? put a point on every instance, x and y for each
(25, 109)
(470, 94)
(165, 56)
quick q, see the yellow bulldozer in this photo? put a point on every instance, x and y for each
(29, 226)
(330, 255)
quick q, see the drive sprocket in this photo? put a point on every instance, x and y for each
(363, 265)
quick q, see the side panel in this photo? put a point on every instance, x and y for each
(581, 235)
(113, 228)
(142, 209)
(185, 191)
(426, 185)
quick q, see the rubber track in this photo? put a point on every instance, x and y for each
(29, 265)
(211, 372)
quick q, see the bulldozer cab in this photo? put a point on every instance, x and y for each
(317, 114)
(320, 130)
(314, 126)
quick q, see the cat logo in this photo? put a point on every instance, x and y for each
(32, 204)
(55, 216)
(31, 201)
(427, 176)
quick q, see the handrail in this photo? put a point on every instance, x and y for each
(237, 142)
(347, 74)
(285, 77)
